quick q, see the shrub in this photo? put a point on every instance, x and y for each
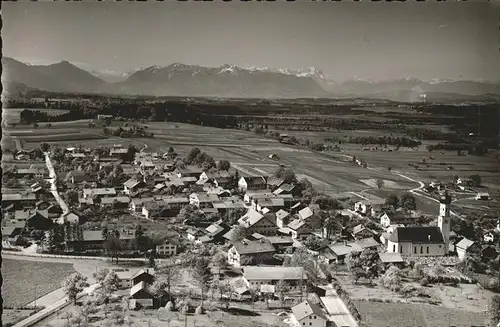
(169, 306)
(492, 284)
(199, 310)
(424, 281)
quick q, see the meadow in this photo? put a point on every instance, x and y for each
(23, 279)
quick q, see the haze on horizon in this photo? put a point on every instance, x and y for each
(379, 41)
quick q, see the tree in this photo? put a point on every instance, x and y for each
(380, 183)
(72, 196)
(201, 274)
(417, 272)
(86, 310)
(170, 273)
(494, 311)
(239, 233)
(392, 200)
(118, 317)
(408, 202)
(391, 279)
(44, 146)
(286, 174)
(476, 179)
(224, 165)
(283, 289)
(67, 315)
(193, 153)
(77, 320)
(73, 285)
(113, 246)
(100, 275)
(219, 260)
(159, 290)
(111, 282)
(313, 242)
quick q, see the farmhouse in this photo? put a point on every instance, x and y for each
(38, 221)
(252, 183)
(220, 178)
(482, 196)
(19, 200)
(70, 218)
(368, 208)
(140, 295)
(93, 240)
(31, 172)
(132, 185)
(250, 252)
(337, 251)
(78, 177)
(274, 182)
(98, 192)
(282, 218)
(360, 231)
(388, 259)
(188, 171)
(166, 249)
(136, 204)
(284, 189)
(193, 234)
(201, 200)
(308, 314)
(255, 222)
(395, 217)
(300, 229)
(295, 277)
(116, 202)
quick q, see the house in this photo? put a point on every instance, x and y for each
(19, 200)
(132, 185)
(228, 203)
(145, 275)
(136, 204)
(337, 251)
(274, 182)
(193, 234)
(116, 202)
(216, 232)
(69, 217)
(153, 209)
(482, 196)
(39, 221)
(189, 171)
(368, 208)
(395, 217)
(307, 214)
(296, 208)
(250, 252)
(175, 202)
(118, 152)
(272, 204)
(93, 240)
(98, 192)
(167, 249)
(252, 183)
(78, 177)
(255, 222)
(32, 172)
(284, 189)
(42, 205)
(141, 297)
(280, 243)
(10, 232)
(295, 277)
(466, 246)
(202, 200)
(388, 259)
(463, 182)
(282, 218)
(360, 231)
(300, 229)
(309, 314)
(489, 237)
(219, 178)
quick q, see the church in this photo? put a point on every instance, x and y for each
(423, 241)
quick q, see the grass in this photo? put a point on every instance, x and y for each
(21, 277)
(376, 314)
(11, 317)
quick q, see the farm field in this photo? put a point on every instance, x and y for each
(12, 115)
(377, 314)
(21, 277)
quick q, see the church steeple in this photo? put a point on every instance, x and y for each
(444, 219)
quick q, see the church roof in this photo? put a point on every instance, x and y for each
(424, 235)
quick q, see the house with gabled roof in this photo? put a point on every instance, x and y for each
(295, 277)
(274, 182)
(294, 209)
(300, 229)
(282, 218)
(78, 177)
(39, 221)
(309, 314)
(252, 183)
(194, 234)
(132, 185)
(338, 251)
(189, 171)
(466, 246)
(99, 192)
(395, 217)
(141, 295)
(360, 232)
(256, 222)
(284, 189)
(201, 200)
(250, 252)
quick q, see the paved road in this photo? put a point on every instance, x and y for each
(53, 187)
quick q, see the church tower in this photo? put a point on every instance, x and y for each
(444, 220)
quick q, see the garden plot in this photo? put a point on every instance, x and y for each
(372, 182)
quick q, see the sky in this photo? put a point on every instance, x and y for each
(379, 41)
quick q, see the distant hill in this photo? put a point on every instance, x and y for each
(225, 81)
(59, 77)
(232, 81)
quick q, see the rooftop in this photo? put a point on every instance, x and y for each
(273, 273)
(253, 247)
(429, 234)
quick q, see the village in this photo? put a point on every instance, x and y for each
(198, 226)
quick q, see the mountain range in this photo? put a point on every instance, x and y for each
(230, 81)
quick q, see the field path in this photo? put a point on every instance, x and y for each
(53, 187)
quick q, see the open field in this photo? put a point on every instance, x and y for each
(377, 314)
(23, 278)
(11, 317)
(10, 116)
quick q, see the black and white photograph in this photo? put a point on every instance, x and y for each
(250, 163)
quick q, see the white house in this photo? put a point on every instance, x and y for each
(203, 200)
(250, 252)
(482, 196)
(166, 249)
(282, 218)
(256, 222)
(252, 183)
(466, 246)
(300, 229)
(309, 314)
